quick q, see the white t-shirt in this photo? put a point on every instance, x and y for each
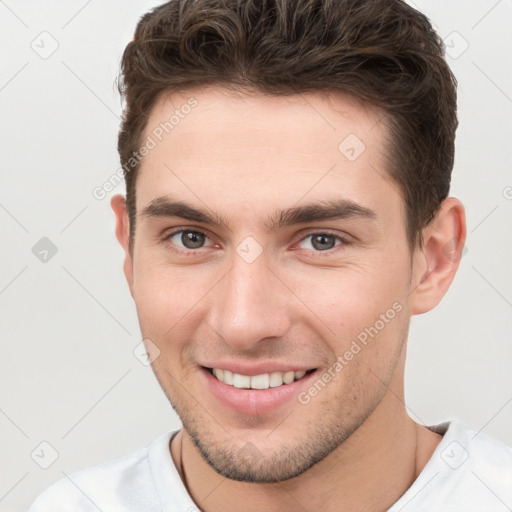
(468, 472)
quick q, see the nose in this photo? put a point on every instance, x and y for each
(251, 304)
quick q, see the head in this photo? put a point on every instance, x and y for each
(287, 169)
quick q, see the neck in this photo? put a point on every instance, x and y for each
(370, 471)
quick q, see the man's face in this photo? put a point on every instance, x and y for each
(267, 292)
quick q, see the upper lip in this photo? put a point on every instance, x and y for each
(257, 368)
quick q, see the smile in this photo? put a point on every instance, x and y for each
(262, 381)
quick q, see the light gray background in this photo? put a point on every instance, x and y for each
(69, 327)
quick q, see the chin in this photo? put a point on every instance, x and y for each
(257, 463)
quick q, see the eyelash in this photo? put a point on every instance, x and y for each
(191, 252)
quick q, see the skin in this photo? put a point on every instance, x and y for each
(245, 157)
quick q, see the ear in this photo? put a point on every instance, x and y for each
(437, 261)
(118, 204)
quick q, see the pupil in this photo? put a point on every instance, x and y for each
(323, 242)
(192, 239)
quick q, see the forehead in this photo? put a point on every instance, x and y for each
(228, 118)
(258, 153)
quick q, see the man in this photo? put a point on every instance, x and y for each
(287, 169)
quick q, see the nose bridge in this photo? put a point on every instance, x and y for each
(249, 305)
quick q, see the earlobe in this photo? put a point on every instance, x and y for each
(118, 204)
(436, 263)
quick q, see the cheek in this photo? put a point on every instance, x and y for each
(166, 297)
(353, 297)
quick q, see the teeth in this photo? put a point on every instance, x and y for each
(263, 381)
(218, 373)
(276, 379)
(228, 377)
(288, 377)
(241, 381)
(260, 381)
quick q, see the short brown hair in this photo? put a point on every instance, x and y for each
(381, 51)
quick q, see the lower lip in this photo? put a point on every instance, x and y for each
(254, 401)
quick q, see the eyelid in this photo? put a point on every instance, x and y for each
(178, 229)
(344, 239)
(167, 235)
(325, 231)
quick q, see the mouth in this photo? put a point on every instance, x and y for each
(261, 381)
(257, 394)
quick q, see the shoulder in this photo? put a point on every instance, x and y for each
(489, 466)
(474, 452)
(124, 483)
(488, 450)
(468, 471)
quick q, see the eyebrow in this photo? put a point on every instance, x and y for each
(319, 211)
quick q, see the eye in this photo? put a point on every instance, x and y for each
(187, 239)
(321, 241)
